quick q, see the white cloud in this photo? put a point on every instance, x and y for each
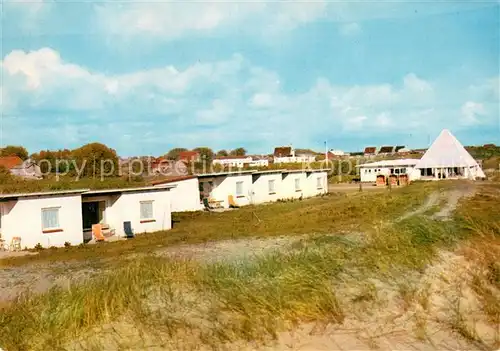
(173, 19)
(261, 100)
(354, 123)
(216, 101)
(383, 120)
(413, 83)
(471, 111)
(350, 29)
(218, 112)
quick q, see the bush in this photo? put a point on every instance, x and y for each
(67, 244)
(38, 246)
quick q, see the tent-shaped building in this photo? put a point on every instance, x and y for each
(448, 159)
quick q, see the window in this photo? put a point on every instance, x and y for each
(318, 183)
(271, 187)
(146, 210)
(403, 170)
(239, 188)
(50, 219)
(297, 184)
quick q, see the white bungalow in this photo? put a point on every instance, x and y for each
(316, 182)
(448, 159)
(185, 197)
(294, 184)
(266, 186)
(369, 171)
(127, 211)
(217, 187)
(59, 217)
(232, 161)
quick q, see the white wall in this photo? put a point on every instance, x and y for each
(185, 196)
(126, 207)
(260, 188)
(234, 162)
(23, 218)
(311, 188)
(288, 185)
(369, 174)
(259, 163)
(223, 186)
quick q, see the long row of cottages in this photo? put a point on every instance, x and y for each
(66, 217)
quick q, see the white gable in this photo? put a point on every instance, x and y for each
(446, 151)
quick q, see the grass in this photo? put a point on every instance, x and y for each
(323, 215)
(254, 300)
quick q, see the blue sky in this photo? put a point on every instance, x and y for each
(143, 77)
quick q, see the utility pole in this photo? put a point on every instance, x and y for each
(326, 153)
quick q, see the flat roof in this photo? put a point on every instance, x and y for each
(221, 174)
(127, 190)
(172, 179)
(304, 170)
(270, 171)
(42, 193)
(389, 163)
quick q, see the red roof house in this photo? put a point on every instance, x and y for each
(10, 162)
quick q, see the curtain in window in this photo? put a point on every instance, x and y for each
(50, 218)
(271, 186)
(147, 210)
(239, 188)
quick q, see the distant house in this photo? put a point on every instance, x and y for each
(259, 161)
(399, 148)
(287, 154)
(189, 156)
(386, 150)
(419, 151)
(337, 152)
(232, 161)
(160, 165)
(26, 169)
(370, 150)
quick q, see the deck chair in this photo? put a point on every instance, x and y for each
(97, 232)
(127, 229)
(231, 202)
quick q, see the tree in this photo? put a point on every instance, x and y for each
(206, 153)
(53, 161)
(222, 153)
(96, 160)
(13, 150)
(5, 175)
(238, 152)
(174, 153)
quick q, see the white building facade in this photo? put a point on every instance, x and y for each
(369, 171)
(66, 217)
(218, 186)
(185, 194)
(266, 187)
(448, 159)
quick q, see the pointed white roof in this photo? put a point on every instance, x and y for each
(446, 151)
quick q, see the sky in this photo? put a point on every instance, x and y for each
(145, 76)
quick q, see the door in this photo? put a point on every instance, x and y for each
(91, 214)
